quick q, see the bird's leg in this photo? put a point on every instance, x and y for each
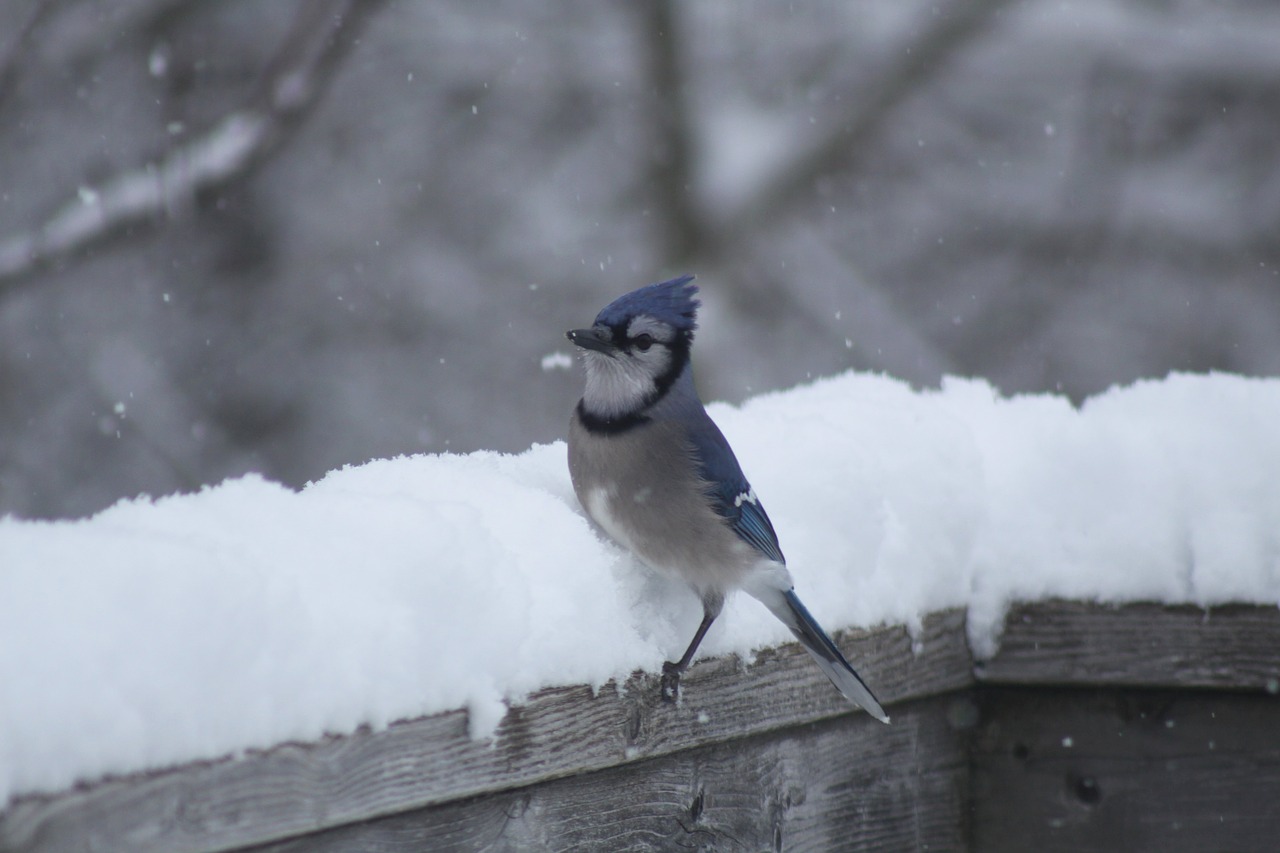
(671, 670)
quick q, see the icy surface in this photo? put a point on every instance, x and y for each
(195, 626)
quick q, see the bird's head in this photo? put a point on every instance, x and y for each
(637, 347)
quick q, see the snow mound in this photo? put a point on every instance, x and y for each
(201, 625)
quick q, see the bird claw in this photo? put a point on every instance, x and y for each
(670, 682)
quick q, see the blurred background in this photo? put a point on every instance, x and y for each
(284, 237)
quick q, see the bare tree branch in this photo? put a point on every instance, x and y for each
(960, 23)
(20, 44)
(671, 169)
(289, 87)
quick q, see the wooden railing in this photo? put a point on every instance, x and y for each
(1139, 727)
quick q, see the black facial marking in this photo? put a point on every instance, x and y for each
(679, 360)
(679, 348)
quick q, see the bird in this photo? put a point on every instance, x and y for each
(654, 472)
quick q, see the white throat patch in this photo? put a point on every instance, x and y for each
(615, 387)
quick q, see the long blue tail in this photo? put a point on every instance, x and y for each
(807, 630)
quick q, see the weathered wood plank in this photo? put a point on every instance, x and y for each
(431, 765)
(1121, 770)
(295, 789)
(1079, 643)
(847, 783)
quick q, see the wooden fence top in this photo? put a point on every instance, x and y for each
(293, 789)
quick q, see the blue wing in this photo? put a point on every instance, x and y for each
(729, 490)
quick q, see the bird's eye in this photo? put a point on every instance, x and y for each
(642, 342)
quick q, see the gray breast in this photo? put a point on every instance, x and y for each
(642, 487)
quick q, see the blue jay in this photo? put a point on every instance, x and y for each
(656, 474)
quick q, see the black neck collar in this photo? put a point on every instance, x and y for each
(610, 426)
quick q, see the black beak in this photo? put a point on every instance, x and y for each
(590, 339)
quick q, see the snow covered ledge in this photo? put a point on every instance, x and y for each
(459, 593)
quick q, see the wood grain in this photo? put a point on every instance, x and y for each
(296, 789)
(1078, 643)
(1122, 770)
(848, 783)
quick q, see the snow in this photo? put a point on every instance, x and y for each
(201, 625)
(558, 360)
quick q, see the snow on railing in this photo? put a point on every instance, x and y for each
(464, 592)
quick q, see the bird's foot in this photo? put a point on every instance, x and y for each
(671, 682)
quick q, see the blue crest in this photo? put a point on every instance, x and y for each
(671, 302)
